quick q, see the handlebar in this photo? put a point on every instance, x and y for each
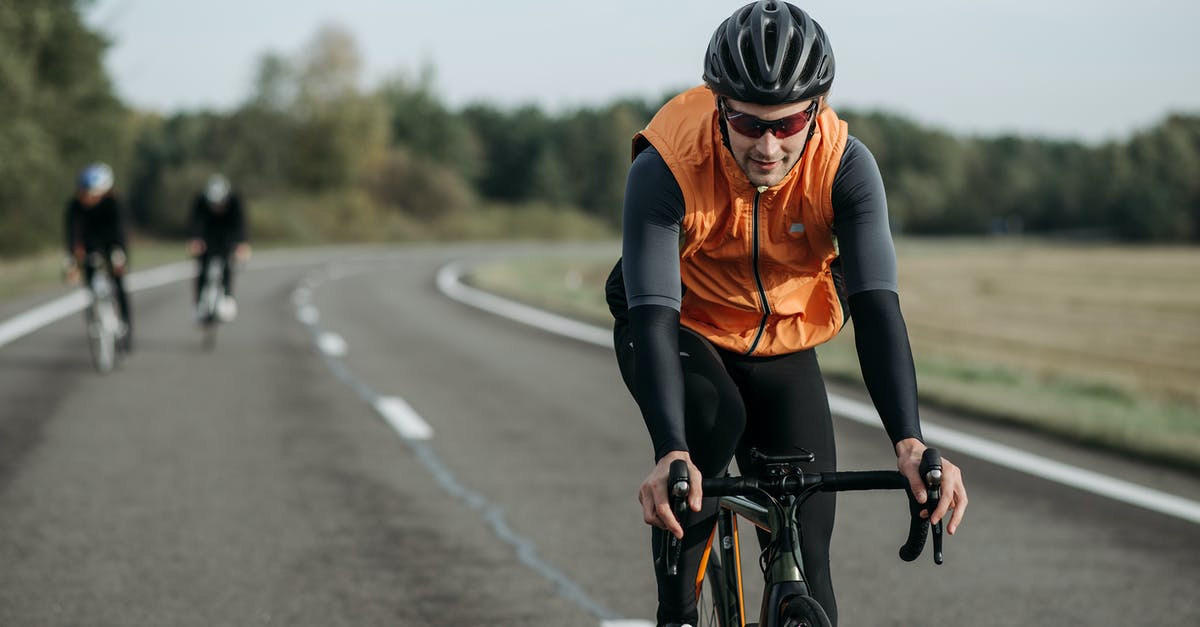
(786, 479)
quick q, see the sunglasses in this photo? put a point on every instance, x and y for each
(750, 126)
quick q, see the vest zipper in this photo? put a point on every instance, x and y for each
(762, 292)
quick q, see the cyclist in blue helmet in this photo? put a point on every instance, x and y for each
(93, 223)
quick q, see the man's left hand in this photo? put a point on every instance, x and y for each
(954, 491)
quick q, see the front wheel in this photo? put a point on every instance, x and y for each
(101, 325)
(802, 611)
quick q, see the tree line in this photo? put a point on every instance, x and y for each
(321, 159)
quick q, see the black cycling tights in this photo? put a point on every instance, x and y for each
(119, 294)
(771, 403)
(202, 273)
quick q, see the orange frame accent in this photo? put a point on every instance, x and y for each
(737, 567)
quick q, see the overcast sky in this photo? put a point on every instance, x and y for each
(1072, 69)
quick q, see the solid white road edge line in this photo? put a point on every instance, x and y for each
(449, 281)
(63, 306)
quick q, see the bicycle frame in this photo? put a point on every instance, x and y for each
(785, 486)
(213, 290)
(784, 576)
(103, 323)
(210, 298)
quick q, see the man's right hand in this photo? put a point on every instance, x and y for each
(656, 507)
(195, 247)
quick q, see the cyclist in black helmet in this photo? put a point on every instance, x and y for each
(730, 276)
(93, 224)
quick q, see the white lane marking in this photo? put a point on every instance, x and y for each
(332, 344)
(626, 623)
(449, 282)
(403, 418)
(1035, 465)
(63, 306)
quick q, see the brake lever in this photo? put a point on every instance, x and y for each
(678, 487)
(931, 474)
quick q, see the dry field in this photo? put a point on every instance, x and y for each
(1097, 343)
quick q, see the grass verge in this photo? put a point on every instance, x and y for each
(1083, 385)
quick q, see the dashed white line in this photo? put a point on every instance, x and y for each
(403, 418)
(332, 344)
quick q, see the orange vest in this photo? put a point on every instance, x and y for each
(755, 265)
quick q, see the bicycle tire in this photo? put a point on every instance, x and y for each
(803, 611)
(713, 598)
(102, 337)
(210, 298)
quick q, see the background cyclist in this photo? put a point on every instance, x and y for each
(730, 276)
(218, 228)
(93, 223)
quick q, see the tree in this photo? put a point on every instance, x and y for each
(57, 113)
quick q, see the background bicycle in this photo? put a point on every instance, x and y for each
(215, 307)
(105, 331)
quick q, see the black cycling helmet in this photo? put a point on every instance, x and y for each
(769, 52)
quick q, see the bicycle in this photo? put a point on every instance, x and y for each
(771, 504)
(106, 332)
(211, 296)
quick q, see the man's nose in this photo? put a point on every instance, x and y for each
(768, 144)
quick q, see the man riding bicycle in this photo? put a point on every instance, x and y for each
(730, 276)
(218, 229)
(93, 225)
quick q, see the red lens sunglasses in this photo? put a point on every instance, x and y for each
(750, 126)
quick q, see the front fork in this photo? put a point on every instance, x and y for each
(784, 571)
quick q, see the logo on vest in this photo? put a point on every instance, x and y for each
(797, 227)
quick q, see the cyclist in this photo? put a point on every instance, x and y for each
(218, 228)
(93, 224)
(730, 276)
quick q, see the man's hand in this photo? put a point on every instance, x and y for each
(70, 270)
(195, 247)
(119, 261)
(242, 252)
(954, 491)
(656, 507)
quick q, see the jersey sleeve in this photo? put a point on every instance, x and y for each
(869, 261)
(652, 219)
(860, 221)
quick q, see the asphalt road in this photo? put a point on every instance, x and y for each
(260, 483)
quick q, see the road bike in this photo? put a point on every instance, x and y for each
(106, 333)
(772, 503)
(211, 297)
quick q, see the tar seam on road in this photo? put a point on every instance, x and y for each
(389, 407)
